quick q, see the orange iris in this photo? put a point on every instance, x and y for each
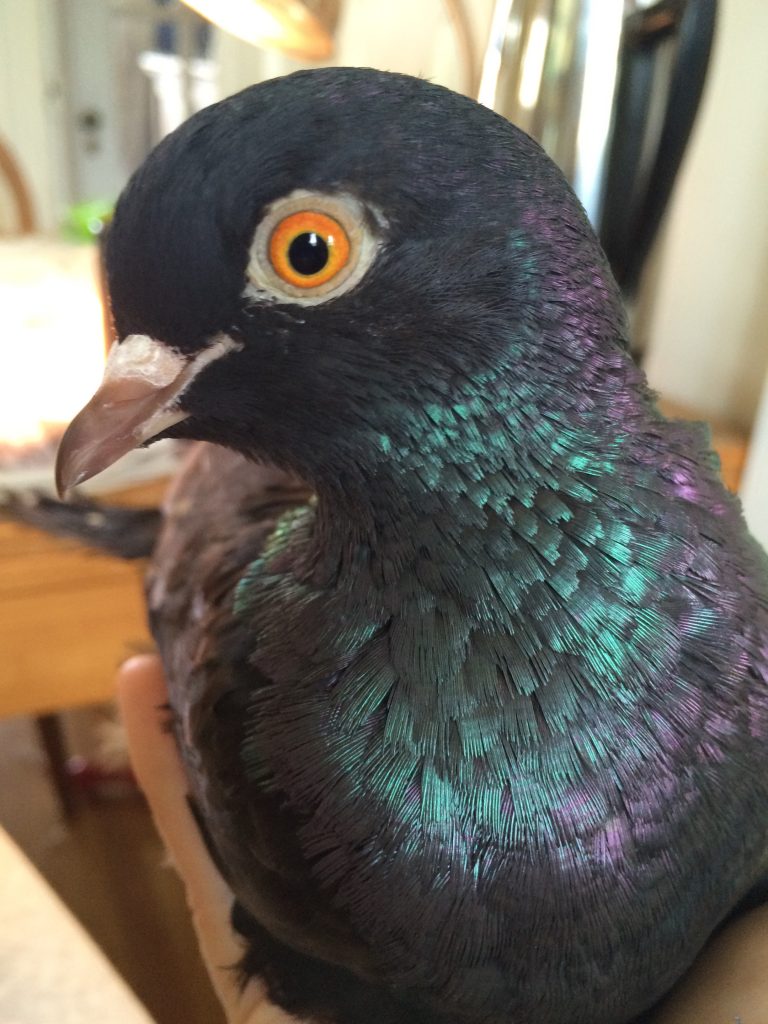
(308, 249)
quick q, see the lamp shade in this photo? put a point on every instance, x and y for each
(301, 28)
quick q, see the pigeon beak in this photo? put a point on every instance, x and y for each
(138, 399)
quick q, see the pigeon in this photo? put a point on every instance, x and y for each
(466, 644)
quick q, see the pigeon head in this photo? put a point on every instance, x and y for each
(300, 270)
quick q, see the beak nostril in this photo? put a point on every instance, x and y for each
(144, 360)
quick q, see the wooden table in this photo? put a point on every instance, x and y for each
(67, 617)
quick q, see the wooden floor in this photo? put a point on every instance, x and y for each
(107, 866)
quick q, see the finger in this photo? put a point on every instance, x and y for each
(141, 696)
(727, 983)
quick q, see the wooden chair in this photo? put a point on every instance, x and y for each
(16, 186)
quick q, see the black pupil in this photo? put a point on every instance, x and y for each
(308, 253)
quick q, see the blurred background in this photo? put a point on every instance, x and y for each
(657, 112)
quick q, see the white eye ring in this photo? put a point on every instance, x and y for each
(265, 284)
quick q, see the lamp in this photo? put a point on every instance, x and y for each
(301, 28)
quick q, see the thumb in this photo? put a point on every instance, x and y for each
(142, 697)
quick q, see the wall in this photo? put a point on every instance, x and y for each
(708, 326)
(411, 36)
(101, 49)
(754, 485)
(32, 108)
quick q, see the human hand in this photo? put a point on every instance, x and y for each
(142, 697)
(727, 985)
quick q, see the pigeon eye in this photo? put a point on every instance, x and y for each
(310, 247)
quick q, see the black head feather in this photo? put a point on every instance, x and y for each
(477, 229)
(493, 682)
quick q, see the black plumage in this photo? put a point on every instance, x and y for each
(471, 689)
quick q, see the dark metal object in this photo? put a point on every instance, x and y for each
(641, 168)
(610, 89)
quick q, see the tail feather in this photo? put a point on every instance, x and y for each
(123, 532)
